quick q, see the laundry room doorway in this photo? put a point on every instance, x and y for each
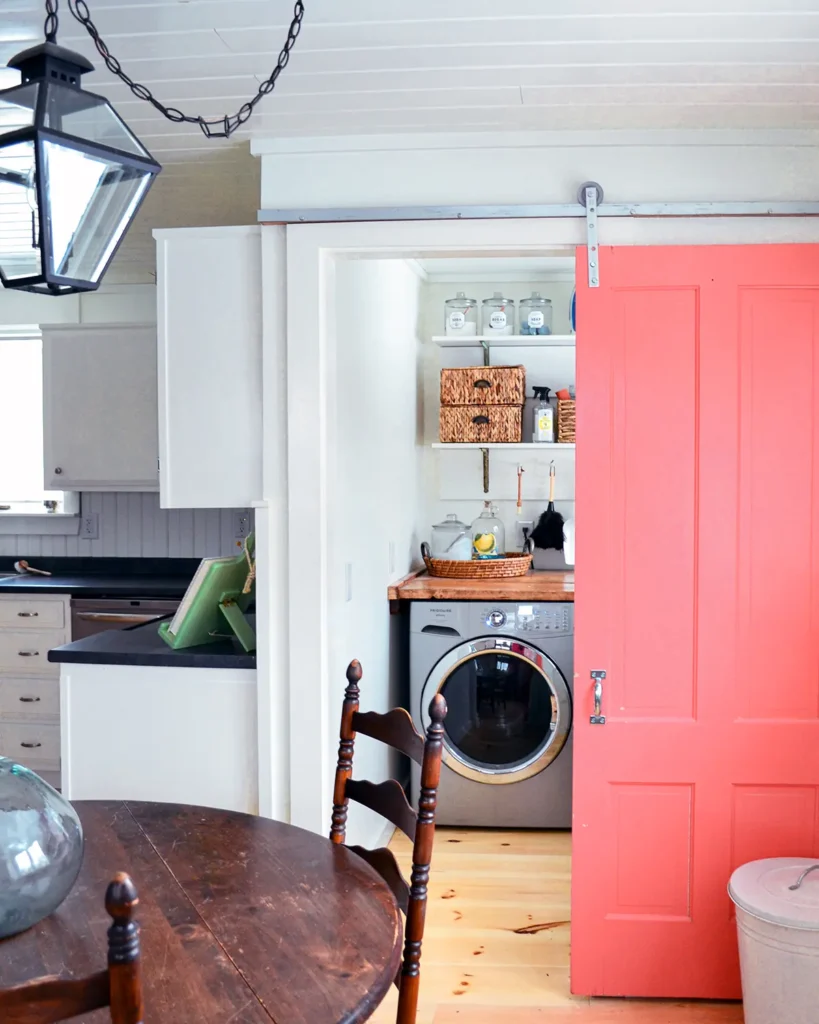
(360, 458)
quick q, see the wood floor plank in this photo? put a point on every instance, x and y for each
(496, 948)
(598, 1012)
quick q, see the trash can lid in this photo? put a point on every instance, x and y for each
(782, 890)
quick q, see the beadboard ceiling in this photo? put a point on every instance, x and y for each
(387, 66)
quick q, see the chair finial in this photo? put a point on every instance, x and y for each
(121, 900)
(354, 671)
(121, 897)
(437, 708)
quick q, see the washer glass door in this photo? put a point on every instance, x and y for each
(509, 709)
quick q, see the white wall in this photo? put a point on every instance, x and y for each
(538, 167)
(114, 304)
(133, 525)
(374, 476)
(453, 480)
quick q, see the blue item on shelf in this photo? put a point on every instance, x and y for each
(573, 312)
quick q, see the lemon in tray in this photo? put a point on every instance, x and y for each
(485, 545)
(488, 534)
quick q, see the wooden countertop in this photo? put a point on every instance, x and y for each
(534, 586)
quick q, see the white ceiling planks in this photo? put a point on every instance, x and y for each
(390, 66)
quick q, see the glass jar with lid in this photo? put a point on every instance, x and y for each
(461, 315)
(488, 534)
(535, 315)
(498, 315)
(451, 539)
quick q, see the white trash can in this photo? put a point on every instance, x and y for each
(777, 905)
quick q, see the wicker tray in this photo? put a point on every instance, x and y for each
(478, 569)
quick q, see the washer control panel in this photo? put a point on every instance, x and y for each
(534, 620)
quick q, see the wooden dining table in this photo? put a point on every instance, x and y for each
(244, 920)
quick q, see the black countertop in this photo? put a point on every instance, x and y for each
(103, 577)
(143, 646)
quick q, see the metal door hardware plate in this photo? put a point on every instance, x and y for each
(598, 718)
(590, 194)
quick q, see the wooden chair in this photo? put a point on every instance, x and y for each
(51, 999)
(394, 728)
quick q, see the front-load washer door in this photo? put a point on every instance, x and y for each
(509, 709)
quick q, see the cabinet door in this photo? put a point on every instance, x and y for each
(209, 321)
(100, 408)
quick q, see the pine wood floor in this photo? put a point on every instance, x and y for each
(496, 948)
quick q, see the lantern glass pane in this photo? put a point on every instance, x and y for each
(17, 107)
(20, 255)
(91, 202)
(89, 117)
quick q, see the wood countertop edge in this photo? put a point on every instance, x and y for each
(534, 586)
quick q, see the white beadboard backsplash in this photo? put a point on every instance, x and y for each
(134, 526)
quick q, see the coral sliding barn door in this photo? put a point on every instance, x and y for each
(698, 595)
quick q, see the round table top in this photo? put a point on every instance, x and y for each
(243, 919)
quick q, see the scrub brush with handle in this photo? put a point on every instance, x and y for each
(549, 530)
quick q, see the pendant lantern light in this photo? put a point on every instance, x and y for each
(72, 174)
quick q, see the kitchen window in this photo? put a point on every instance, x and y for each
(22, 491)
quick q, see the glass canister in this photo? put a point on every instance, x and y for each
(488, 534)
(461, 315)
(451, 539)
(535, 315)
(498, 315)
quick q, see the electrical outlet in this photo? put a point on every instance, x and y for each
(241, 525)
(90, 526)
(522, 525)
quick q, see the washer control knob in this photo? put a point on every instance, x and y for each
(496, 619)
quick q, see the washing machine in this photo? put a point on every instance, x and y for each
(506, 671)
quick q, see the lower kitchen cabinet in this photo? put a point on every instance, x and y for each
(29, 686)
(100, 408)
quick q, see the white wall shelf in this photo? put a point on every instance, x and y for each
(509, 446)
(506, 340)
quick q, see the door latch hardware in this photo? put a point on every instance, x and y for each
(598, 718)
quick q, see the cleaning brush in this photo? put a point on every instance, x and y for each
(549, 530)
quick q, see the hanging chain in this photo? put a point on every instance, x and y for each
(219, 128)
(51, 21)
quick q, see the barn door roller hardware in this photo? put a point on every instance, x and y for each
(589, 205)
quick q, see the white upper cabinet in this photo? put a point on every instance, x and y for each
(100, 408)
(209, 320)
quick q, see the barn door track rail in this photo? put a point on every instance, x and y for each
(589, 205)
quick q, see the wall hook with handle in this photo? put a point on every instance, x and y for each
(598, 718)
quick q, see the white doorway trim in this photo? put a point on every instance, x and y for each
(312, 250)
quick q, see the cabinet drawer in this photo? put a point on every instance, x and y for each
(32, 614)
(27, 651)
(30, 698)
(31, 743)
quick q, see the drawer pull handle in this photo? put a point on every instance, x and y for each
(481, 384)
(27, 615)
(481, 420)
(30, 746)
(29, 654)
(29, 700)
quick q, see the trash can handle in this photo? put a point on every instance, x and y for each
(801, 878)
